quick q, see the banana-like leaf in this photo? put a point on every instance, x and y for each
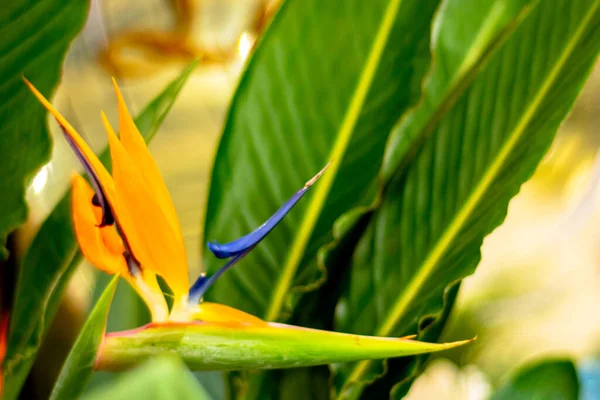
(401, 372)
(548, 379)
(459, 164)
(162, 378)
(39, 289)
(79, 365)
(315, 382)
(34, 45)
(237, 346)
(326, 83)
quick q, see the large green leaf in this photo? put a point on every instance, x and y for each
(461, 161)
(33, 45)
(162, 378)
(547, 380)
(327, 82)
(79, 365)
(39, 290)
(401, 372)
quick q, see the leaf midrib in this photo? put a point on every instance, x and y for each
(447, 237)
(476, 195)
(336, 156)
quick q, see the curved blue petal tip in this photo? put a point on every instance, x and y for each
(245, 242)
(203, 282)
(242, 246)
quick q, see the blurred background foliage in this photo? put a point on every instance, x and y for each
(536, 290)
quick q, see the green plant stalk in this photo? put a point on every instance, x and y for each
(210, 346)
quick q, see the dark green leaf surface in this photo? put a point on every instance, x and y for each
(547, 380)
(79, 365)
(401, 372)
(162, 378)
(33, 45)
(39, 289)
(460, 164)
(327, 82)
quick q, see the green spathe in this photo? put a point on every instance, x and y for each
(237, 346)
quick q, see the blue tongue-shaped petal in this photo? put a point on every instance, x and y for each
(248, 241)
(242, 246)
(203, 282)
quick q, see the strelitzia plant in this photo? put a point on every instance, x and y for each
(126, 225)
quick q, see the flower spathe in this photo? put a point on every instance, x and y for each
(126, 224)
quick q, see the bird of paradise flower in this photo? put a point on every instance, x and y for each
(126, 225)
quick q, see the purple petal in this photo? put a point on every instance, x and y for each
(102, 201)
(252, 239)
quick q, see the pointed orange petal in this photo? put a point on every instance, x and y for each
(214, 312)
(104, 248)
(151, 236)
(134, 144)
(101, 246)
(99, 169)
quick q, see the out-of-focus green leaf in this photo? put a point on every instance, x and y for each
(33, 45)
(547, 380)
(327, 82)
(229, 346)
(128, 310)
(53, 257)
(79, 365)
(459, 163)
(162, 378)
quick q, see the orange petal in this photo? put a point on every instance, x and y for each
(148, 289)
(101, 246)
(151, 236)
(134, 144)
(104, 248)
(214, 312)
(99, 169)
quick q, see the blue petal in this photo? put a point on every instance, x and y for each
(203, 283)
(252, 239)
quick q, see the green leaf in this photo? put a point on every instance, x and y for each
(401, 372)
(327, 82)
(79, 365)
(33, 45)
(128, 309)
(162, 378)
(461, 161)
(238, 346)
(547, 380)
(39, 290)
(315, 310)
